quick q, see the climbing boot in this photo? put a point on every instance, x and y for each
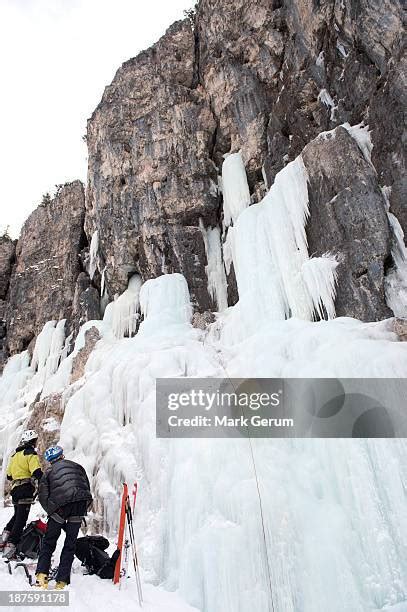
(60, 585)
(41, 581)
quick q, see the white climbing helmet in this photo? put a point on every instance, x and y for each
(29, 436)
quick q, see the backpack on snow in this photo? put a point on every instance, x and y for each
(31, 539)
(91, 550)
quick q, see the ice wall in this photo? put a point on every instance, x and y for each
(22, 383)
(276, 278)
(334, 511)
(332, 534)
(13, 382)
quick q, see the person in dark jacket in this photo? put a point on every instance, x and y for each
(23, 470)
(64, 493)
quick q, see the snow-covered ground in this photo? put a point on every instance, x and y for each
(90, 593)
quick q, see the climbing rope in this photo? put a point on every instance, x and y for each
(268, 564)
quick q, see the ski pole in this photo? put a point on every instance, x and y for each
(125, 566)
(134, 552)
(135, 491)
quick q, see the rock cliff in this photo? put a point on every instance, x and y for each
(7, 255)
(265, 77)
(151, 177)
(47, 271)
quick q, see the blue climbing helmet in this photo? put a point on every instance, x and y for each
(53, 453)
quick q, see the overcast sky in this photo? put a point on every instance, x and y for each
(56, 58)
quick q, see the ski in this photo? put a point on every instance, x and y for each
(126, 540)
(122, 525)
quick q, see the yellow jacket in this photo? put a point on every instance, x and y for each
(24, 463)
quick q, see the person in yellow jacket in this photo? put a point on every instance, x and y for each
(23, 469)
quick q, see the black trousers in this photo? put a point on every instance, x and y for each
(48, 547)
(50, 540)
(17, 522)
(21, 511)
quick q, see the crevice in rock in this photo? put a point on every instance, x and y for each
(388, 264)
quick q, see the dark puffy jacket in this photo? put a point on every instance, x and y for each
(65, 482)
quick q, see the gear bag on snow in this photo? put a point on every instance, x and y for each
(91, 550)
(31, 539)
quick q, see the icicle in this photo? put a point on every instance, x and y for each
(15, 374)
(395, 282)
(228, 250)
(43, 346)
(67, 346)
(320, 276)
(325, 97)
(269, 249)
(125, 309)
(215, 272)
(102, 283)
(236, 195)
(93, 252)
(56, 349)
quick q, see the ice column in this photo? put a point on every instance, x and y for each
(215, 270)
(236, 195)
(270, 249)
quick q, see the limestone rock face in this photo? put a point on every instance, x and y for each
(7, 255)
(86, 302)
(45, 418)
(151, 177)
(264, 77)
(348, 218)
(92, 336)
(43, 281)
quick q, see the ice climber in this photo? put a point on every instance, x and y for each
(23, 470)
(64, 493)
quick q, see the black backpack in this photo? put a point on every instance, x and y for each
(91, 550)
(31, 539)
